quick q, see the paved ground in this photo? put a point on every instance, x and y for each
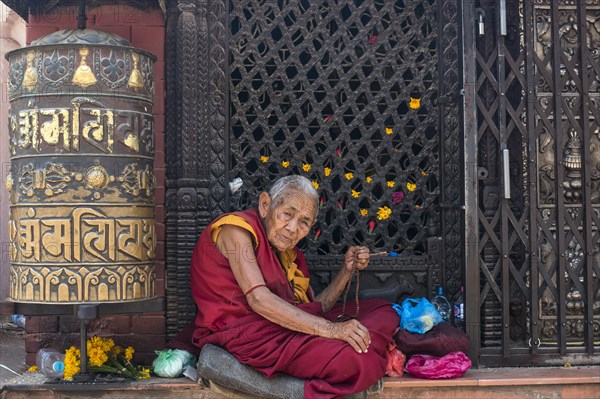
(12, 351)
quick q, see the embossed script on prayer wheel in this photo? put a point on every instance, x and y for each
(81, 185)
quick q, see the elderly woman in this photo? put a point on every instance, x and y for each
(251, 285)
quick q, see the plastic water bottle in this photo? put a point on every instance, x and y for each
(50, 362)
(459, 311)
(441, 304)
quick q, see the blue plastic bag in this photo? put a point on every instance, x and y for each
(417, 315)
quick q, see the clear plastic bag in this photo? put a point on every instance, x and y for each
(452, 365)
(417, 315)
(396, 359)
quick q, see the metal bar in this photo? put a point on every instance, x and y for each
(560, 203)
(471, 294)
(502, 17)
(587, 191)
(36, 309)
(505, 209)
(506, 172)
(528, 17)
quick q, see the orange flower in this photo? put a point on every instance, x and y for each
(306, 167)
(415, 103)
(264, 159)
(327, 171)
(411, 186)
(389, 130)
(285, 164)
(349, 175)
(315, 185)
(364, 212)
(355, 193)
(391, 184)
(369, 179)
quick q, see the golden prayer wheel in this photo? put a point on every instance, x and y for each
(81, 186)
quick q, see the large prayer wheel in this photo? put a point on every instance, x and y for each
(81, 185)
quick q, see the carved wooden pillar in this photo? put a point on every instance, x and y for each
(195, 144)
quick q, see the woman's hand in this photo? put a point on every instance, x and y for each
(353, 332)
(356, 257)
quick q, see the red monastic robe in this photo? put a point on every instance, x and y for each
(331, 368)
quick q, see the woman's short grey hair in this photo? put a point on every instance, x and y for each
(293, 182)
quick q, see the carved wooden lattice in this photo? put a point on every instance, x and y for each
(328, 84)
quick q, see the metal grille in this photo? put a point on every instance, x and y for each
(538, 104)
(328, 84)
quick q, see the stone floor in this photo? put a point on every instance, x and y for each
(12, 351)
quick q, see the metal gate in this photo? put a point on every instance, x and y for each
(533, 95)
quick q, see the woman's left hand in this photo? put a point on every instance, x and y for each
(356, 257)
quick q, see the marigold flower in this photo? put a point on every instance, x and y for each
(364, 212)
(411, 186)
(389, 130)
(349, 175)
(415, 103)
(306, 167)
(129, 353)
(423, 173)
(144, 373)
(369, 179)
(355, 193)
(32, 369)
(418, 206)
(315, 185)
(383, 213)
(327, 171)
(285, 164)
(97, 357)
(391, 183)
(264, 159)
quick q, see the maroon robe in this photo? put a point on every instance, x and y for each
(331, 368)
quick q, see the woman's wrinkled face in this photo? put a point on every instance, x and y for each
(289, 220)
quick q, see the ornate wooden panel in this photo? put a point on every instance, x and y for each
(539, 173)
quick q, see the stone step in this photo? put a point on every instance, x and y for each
(500, 383)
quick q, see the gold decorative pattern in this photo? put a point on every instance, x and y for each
(52, 179)
(136, 181)
(83, 75)
(135, 79)
(30, 78)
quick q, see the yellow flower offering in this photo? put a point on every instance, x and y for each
(369, 179)
(355, 193)
(327, 171)
(32, 369)
(264, 159)
(411, 186)
(315, 185)
(391, 183)
(364, 212)
(383, 213)
(349, 175)
(285, 164)
(415, 103)
(389, 130)
(306, 167)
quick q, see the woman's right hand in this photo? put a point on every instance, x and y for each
(353, 332)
